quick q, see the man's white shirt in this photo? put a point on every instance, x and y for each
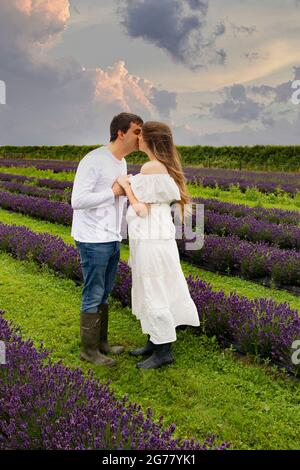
(97, 212)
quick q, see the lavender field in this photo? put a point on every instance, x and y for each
(245, 282)
(224, 178)
(215, 85)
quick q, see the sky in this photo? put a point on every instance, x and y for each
(218, 72)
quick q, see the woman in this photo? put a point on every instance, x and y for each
(160, 296)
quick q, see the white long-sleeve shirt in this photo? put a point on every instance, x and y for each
(97, 212)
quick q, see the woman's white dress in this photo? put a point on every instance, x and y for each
(160, 295)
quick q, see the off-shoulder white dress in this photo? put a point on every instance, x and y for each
(160, 295)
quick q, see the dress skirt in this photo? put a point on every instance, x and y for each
(160, 295)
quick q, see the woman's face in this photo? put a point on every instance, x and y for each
(142, 143)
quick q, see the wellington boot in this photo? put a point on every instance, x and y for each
(89, 334)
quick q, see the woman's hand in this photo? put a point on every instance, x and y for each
(141, 209)
(123, 180)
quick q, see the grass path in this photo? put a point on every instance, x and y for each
(250, 198)
(206, 390)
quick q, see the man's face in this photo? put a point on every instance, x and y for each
(130, 138)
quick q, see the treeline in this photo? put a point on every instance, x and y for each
(258, 157)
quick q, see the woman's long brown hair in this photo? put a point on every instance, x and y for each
(158, 138)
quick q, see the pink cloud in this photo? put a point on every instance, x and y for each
(117, 85)
(58, 10)
(30, 23)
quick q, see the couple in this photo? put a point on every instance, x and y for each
(160, 296)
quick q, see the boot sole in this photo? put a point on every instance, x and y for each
(108, 363)
(166, 363)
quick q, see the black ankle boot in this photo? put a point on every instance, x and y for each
(144, 351)
(162, 355)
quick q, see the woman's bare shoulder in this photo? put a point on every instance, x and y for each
(153, 167)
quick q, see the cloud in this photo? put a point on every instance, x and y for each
(255, 56)
(201, 5)
(263, 90)
(178, 27)
(164, 101)
(57, 101)
(236, 111)
(270, 118)
(117, 85)
(32, 23)
(241, 29)
(280, 93)
(236, 107)
(185, 135)
(267, 120)
(281, 132)
(236, 92)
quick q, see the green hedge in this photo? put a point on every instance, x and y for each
(258, 157)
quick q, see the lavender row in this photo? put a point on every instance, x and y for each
(226, 178)
(251, 229)
(53, 184)
(258, 326)
(277, 216)
(33, 190)
(257, 176)
(56, 166)
(243, 185)
(248, 227)
(254, 261)
(207, 177)
(51, 407)
(191, 172)
(53, 211)
(229, 254)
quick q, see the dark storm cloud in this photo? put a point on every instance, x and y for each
(168, 25)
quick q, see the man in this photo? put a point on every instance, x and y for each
(98, 202)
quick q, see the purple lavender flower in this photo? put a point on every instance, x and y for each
(45, 405)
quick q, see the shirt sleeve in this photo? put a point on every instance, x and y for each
(83, 196)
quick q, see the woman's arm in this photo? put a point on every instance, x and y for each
(140, 208)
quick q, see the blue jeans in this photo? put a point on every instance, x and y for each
(99, 262)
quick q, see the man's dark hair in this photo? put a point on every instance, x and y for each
(121, 122)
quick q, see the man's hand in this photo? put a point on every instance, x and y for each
(117, 189)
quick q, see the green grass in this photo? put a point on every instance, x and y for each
(32, 171)
(206, 390)
(227, 283)
(251, 197)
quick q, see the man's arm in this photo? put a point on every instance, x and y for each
(83, 196)
(140, 208)
(117, 189)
